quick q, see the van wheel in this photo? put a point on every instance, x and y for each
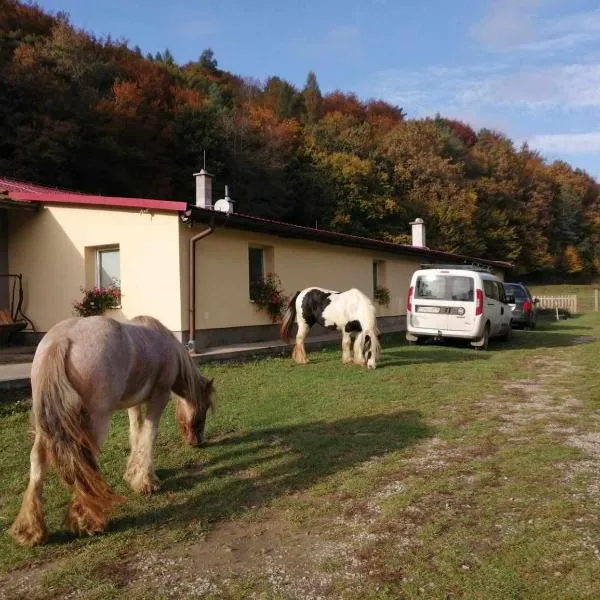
(485, 338)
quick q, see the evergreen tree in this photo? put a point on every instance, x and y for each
(312, 98)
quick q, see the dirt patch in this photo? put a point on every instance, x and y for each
(24, 583)
(540, 401)
(589, 468)
(535, 400)
(435, 454)
(289, 558)
(584, 339)
(587, 442)
(327, 559)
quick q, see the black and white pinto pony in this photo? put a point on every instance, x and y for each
(350, 312)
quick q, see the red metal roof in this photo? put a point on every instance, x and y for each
(28, 192)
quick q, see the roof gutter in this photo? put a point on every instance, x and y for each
(191, 344)
(8, 203)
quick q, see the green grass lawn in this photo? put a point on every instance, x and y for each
(584, 292)
(445, 473)
(563, 289)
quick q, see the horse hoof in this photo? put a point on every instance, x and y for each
(29, 534)
(146, 484)
(148, 488)
(82, 521)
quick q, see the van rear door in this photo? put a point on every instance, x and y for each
(444, 301)
(461, 313)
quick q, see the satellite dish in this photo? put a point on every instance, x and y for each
(225, 204)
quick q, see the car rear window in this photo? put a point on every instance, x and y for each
(445, 287)
(516, 290)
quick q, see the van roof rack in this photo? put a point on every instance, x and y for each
(473, 267)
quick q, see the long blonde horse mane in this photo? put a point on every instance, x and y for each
(199, 389)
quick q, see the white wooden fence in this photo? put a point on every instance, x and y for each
(568, 302)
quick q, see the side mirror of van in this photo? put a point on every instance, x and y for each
(510, 298)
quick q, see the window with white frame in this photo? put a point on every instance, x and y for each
(108, 267)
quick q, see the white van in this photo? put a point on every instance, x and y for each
(457, 301)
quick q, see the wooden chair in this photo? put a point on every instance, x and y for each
(8, 326)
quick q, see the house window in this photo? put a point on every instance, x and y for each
(378, 274)
(108, 268)
(375, 276)
(256, 268)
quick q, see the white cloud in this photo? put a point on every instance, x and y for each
(432, 89)
(515, 26)
(558, 43)
(566, 143)
(583, 21)
(508, 23)
(561, 87)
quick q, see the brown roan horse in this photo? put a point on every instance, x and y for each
(84, 369)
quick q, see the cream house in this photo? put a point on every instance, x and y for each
(189, 265)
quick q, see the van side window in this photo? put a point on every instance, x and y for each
(501, 292)
(490, 289)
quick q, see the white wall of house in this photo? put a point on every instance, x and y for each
(56, 248)
(222, 273)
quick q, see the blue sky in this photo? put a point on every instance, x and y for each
(529, 68)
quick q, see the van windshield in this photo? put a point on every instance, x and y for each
(445, 287)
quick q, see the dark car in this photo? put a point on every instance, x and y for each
(522, 304)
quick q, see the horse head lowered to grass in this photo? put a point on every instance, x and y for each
(350, 312)
(84, 369)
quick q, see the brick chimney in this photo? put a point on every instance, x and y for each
(418, 233)
(203, 189)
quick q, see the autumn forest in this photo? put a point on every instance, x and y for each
(98, 116)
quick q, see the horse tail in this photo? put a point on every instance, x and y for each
(288, 318)
(63, 421)
(371, 343)
(369, 337)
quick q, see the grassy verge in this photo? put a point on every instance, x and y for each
(445, 473)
